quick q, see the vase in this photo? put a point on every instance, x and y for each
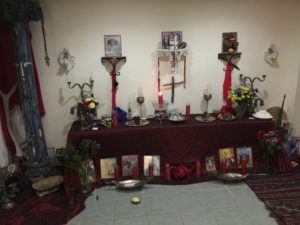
(240, 111)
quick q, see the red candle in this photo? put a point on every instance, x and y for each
(244, 165)
(223, 166)
(168, 171)
(187, 111)
(198, 169)
(160, 99)
(115, 119)
(150, 170)
(135, 171)
(117, 173)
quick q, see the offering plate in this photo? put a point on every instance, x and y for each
(131, 123)
(130, 184)
(231, 177)
(205, 119)
(177, 118)
(226, 117)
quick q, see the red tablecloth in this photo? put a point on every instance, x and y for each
(175, 143)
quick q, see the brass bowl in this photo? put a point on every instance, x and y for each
(47, 183)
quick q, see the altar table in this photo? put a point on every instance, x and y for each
(176, 143)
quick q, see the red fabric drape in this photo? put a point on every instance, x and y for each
(227, 108)
(8, 79)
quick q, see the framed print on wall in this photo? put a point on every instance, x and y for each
(210, 163)
(244, 152)
(107, 167)
(227, 155)
(170, 38)
(113, 47)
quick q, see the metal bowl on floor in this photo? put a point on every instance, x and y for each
(130, 184)
(231, 177)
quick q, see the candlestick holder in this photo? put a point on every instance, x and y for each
(207, 96)
(160, 110)
(140, 100)
(81, 87)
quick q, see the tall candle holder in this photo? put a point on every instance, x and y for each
(81, 87)
(207, 96)
(140, 100)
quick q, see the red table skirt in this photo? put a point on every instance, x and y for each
(176, 143)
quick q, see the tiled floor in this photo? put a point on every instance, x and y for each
(209, 203)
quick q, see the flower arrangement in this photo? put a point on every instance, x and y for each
(87, 110)
(242, 95)
(269, 142)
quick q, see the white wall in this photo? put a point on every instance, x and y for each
(80, 26)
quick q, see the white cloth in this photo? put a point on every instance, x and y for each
(3, 150)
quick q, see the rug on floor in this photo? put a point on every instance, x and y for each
(281, 194)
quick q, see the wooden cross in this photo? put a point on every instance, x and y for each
(173, 84)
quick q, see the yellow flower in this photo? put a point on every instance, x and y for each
(92, 105)
(88, 99)
(243, 96)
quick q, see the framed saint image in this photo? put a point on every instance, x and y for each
(227, 155)
(128, 162)
(210, 163)
(170, 38)
(244, 152)
(107, 167)
(113, 47)
(155, 161)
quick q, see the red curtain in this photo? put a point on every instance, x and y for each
(8, 79)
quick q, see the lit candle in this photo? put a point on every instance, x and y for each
(160, 99)
(168, 171)
(117, 173)
(198, 169)
(187, 111)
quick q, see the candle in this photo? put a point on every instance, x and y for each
(117, 173)
(140, 92)
(160, 99)
(187, 111)
(244, 165)
(223, 166)
(135, 171)
(150, 170)
(198, 169)
(115, 118)
(168, 171)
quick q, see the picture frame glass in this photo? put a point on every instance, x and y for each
(227, 155)
(155, 161)
(210, 163)
(170, 38)
(113, 47)
(244, 152)
(107, 168)
(128, 163)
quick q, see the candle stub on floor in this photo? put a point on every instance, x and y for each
(136, 200)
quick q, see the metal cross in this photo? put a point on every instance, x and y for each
(173, 84)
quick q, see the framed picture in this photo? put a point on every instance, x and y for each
(128, 162)
(170, 38)
(227, 155)
(244, 152)
(210, 163)
(155, 161)
(107, 167)
(113, 47)
(229, 41)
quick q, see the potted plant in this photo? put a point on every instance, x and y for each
(79, 159)
(269, 143)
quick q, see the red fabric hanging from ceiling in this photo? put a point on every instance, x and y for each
(8, 79)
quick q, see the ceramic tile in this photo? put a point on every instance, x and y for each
(155, 190)
(102, 211)
(243, 195)
(199, 217)
(211, 185)
(158, 205)
(125, 209)
(75, 221)
(232, 216)
(119, 194)
(220, 199)
(165, 219)
(99, 221)
(133, 221)
(190, 200)
(260, 215)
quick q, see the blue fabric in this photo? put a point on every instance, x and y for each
(122, 115)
